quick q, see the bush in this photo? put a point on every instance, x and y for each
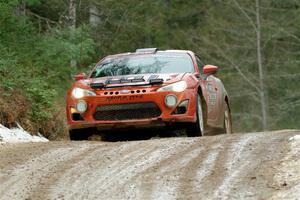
(36, 66)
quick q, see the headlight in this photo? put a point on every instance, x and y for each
(79, 93)
(175, 87)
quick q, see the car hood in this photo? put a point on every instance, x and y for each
(140, 79)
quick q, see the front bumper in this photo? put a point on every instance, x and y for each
(112, 97)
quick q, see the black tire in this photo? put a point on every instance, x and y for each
(80, 134)
(227, 120)
(198, 128)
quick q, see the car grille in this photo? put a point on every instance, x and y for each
(127, 111)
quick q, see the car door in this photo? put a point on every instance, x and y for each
(213, 94)
(215, 103)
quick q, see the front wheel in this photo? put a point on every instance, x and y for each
(197, 129)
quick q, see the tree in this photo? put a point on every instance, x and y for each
(72, 25)
(262, 77)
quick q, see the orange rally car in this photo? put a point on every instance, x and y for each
(171, 88)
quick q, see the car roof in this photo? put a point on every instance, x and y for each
(151, 51)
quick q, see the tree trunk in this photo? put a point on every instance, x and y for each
(20, 10)
(72, 25)
(260, 69)
(94, 15)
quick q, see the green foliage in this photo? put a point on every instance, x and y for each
(38, 65)
(80, 46)
(42, 95)
(33, 2)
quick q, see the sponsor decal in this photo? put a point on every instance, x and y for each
(213, 98)
(209, 87)
(124, 98)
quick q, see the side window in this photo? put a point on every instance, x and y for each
(199, 63)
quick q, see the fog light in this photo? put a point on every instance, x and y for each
(171, 100)
(81, 106)
(181, 108)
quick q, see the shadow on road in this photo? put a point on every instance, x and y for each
(133, 135)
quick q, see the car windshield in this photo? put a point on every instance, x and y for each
(143, 65)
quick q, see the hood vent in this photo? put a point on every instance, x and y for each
(125, 92)
(97, 85)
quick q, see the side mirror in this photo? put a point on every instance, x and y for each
(210, 69)
(80, 76)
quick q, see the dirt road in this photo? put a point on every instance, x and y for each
(239, 166)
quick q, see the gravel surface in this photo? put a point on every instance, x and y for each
(238, 166)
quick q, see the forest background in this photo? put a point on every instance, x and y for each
(256, 44)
